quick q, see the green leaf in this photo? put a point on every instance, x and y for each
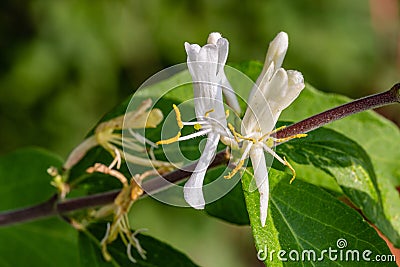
(24, 181)
(303, 217)
(366, 129)
(349, 164)
(231, 207)
(157, 252)
(49, 242)
(374, 134)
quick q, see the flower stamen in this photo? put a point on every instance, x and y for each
(207, 114)
(238, 136)
(196, 134)
(282, 140)
(169, 140)
(117, 160)
(271, 132)
(197, 126)
(240, 163)
(178, 116)
(235, 170)
(292, 169)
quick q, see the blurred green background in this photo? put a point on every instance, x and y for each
(66, 63)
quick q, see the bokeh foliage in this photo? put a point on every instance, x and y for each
(65, 63)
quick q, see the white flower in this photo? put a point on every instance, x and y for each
(206, 66)
(274, 90)
(106, 135)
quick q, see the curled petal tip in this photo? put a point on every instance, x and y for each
(282, 36)
(192, 48)
(213, 38)
(295, 77)
(277, 50)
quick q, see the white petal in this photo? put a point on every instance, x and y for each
(77, 154)
(295, 86)
(203, 65)
(274, 58)
(280, 95)
(223, 50)
(192, 190)
(264, 78)
(230, 95)
(213, 38)
(277, 50)
(192, 50)
(262, 114)
(261, 176)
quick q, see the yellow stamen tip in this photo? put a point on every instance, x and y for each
(178, 116)
(170, 140)
(281, 140)
(227, 113)
(208, 113)
(235, 134)
(292, 169)
(197, 126)
(235, 170)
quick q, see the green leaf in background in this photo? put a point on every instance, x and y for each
(358, 127)
(24, 181)
(376, 135)
(157, 252)
(349, 164)
(303, 217)
(376, 157)
(230, 207)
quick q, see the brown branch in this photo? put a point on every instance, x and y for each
(54, 207)
(370, 102)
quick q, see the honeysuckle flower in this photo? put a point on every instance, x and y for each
(120, 226)
(206, 66)
(106, 135)
(275, 89)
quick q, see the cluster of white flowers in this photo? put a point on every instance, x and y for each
(274, 90)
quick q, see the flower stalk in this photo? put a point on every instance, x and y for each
(54, 207)
(366, 103)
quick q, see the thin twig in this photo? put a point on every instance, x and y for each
(54, 207)
(370, 102)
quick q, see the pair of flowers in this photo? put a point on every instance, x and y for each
(274, 90)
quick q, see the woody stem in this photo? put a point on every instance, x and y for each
(54, 206)
(370, 102)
